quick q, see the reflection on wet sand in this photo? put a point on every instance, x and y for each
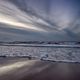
(23, 69)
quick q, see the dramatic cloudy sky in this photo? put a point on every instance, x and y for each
(22, 20)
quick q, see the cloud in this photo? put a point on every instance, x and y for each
(11, 15)
(40, 20)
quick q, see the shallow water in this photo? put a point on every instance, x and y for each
(23, 69)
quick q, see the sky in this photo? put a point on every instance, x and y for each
(46, 20)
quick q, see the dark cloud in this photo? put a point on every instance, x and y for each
(39, 20)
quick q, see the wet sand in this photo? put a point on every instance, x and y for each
(24, 69)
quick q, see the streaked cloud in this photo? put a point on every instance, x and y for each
(46, 19)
